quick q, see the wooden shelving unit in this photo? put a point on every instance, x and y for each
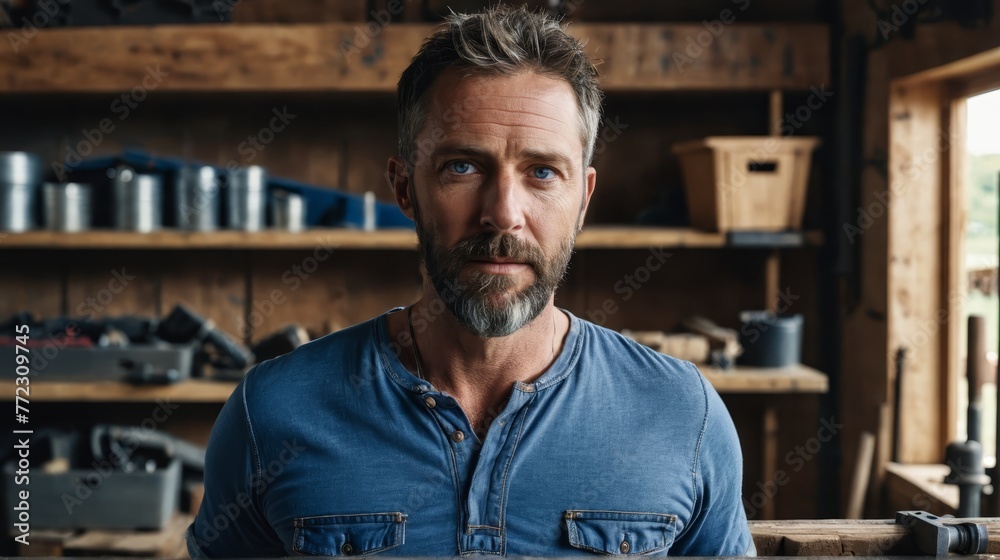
(298, 62)
(598, 237)
(191, 391)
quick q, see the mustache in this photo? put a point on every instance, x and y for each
(507, 246)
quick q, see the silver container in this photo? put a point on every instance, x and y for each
(20, 168)
(138, 201)
(288, 211)
(198, 199)
(66, 206)
(247, 198)
(20, 176)
(17, 207)
(369, 211)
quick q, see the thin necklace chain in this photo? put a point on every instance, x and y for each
(413, 341)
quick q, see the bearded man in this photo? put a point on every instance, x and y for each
(480, 419)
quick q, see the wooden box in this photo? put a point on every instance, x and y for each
(746, 182)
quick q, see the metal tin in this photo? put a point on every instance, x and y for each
(20, 175)
(20, 168)
(198, 199)
(288, 211)
(17, 207)
(66, 206)
(247, 198)
(138, 200)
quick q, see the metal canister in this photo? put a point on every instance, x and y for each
(20, 176)
(247, 198)
(198, 198)
(138, 200)
(288, 211)
(66, 206)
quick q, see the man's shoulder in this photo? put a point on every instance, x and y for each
(630, 360)
(316, 363)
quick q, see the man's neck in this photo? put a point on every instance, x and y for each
(480, 372)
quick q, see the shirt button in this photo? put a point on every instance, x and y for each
(430, 402)
(457, 436)
(347, 549)
(624, 547)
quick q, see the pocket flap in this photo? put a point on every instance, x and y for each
(349, 535)
(620, 533)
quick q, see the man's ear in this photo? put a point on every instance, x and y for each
(399, 181)
(589, 184)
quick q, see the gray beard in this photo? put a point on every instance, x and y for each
(473, 302)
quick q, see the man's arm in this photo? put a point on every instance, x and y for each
(230, 522)
(719, 524)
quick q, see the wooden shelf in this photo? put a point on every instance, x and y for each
(192, 391)
(598, 237)
(799, 379)
(741, 379)
(310, 58)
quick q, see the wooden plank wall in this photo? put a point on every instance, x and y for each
(342, 141)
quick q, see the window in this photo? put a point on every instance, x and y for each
(981, 246)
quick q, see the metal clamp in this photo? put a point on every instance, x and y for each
(934, 537)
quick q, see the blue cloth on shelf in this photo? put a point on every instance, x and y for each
(325, 207)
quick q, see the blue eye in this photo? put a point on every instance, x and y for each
(544, 173)
(461, 167)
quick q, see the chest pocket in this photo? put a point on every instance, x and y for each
(348, 535)
(620, 533)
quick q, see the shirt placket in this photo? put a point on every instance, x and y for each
(481, 529)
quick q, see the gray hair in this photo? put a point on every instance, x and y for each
(500, 41)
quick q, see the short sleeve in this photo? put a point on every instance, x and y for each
(230, 522)
(719, 524)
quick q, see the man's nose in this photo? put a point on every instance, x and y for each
(503, 207)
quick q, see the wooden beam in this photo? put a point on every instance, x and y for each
(593, 237)
(835, 537)
(919, 307)
(195, 390)
(346, 57)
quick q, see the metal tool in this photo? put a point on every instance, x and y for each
(966, 458)
(184, 325)
(935, 537)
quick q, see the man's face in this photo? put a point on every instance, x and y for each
(500, 189)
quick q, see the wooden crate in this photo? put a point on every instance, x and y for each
(746, 182)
